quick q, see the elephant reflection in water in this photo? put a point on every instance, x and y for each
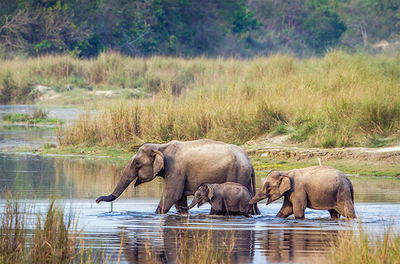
(294, 243)
(166, 246)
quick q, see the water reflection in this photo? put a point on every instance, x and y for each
(12, 136)
(294, 244)
(174, 239)
(34, 176)
(236, 243)
(41, 177)
(262, 239)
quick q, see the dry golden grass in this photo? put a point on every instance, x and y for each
(54, 240)
(362, 247)
(337, 100)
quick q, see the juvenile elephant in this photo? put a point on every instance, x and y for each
(318, 187)
(184, 167)
(226, 198)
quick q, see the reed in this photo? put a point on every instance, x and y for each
(334, 101)
(197, 247)
(362, 247)
(54, 240)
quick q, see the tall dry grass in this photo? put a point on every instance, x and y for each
(54, 240)
(337, 100)
(196, 247)
(362, 247)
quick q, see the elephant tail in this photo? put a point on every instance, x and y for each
(253, 182)
(254, 209)
(352, 192)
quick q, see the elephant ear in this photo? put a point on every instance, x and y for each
(210, 192)
(158, 163)
(285, 184)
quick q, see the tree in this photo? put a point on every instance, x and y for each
(321, 24)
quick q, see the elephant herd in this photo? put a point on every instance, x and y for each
(223, 175)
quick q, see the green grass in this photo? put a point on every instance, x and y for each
(355, 167)
(38, 117)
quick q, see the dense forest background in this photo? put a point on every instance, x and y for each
(84, 28)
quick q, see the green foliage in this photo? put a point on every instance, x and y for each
(322, 25)
(38, 116)
(281, 129)
(86, 28)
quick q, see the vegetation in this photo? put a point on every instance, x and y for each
(191, 28)
(54, 240)
(197, 247)
(38, 116)
(336, 101)
(363, 247)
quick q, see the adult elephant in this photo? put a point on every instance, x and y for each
(184, 167)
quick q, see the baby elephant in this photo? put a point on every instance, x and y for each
(228, 198)
(318, 187)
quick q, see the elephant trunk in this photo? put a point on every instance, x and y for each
(194, 202)
(258, 197)
(128, 176)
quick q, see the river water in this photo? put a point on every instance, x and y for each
(129, 229)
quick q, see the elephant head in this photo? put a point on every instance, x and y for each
(144, 166)
(275, 185)
(203, 195)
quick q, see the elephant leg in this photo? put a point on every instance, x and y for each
(181, 205)
(334, 214)
(299, 205)
(286, 210)
(164, 205)
(347, 209)
(173, 193)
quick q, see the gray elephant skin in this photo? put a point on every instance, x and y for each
(318, 187)
(185, 165)
(228, 198)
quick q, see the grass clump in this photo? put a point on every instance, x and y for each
(38, 117)
(366, 248)
(197, 247)
(54, 240)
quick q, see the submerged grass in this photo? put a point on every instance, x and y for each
(362, 247)
(54, 239)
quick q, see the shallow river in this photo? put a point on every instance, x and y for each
(131, 224)
(261, 239)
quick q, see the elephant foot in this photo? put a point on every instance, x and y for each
(282, 215)
(182, 210)
(334, 214)
(161, 211)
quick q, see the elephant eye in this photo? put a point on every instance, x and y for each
(138, 164)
